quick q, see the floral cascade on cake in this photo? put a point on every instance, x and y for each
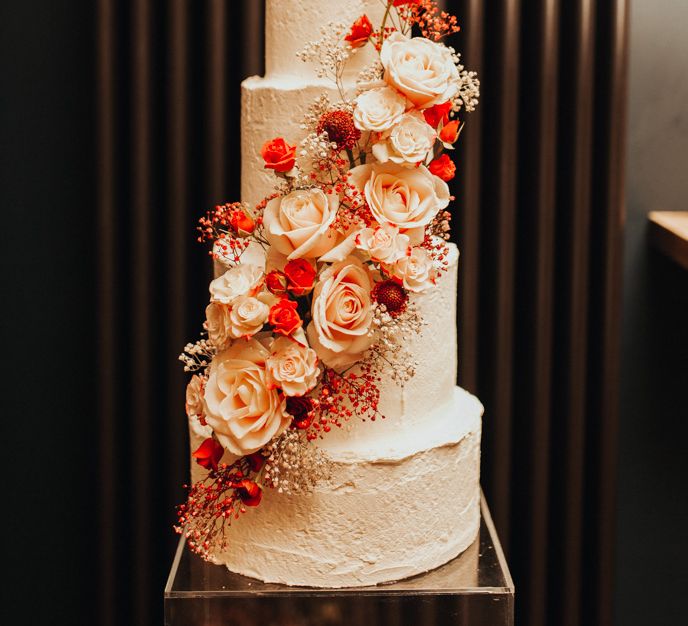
(316, 304)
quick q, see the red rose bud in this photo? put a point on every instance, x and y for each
(255, 461)
(300, 276)
(437, 114)
(249, 492)
(360, 32)
(443, 167)
(241, 223)
(276, 282)
(284, 318)
(208, 454)
(450, 133)
(401, 3)
(301, 409)
(278, 155)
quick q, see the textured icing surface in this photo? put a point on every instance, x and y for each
(377, 519)
(290, 24)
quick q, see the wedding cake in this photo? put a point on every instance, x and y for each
(330, 444)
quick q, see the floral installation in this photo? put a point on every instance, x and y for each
(316, 303)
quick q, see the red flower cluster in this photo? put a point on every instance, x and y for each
(340, 129)
(437, 114)
(278, 155)
(301, 409)
(284, 318)
(392, 295)
(443, 167)
(208, 454)
(450, 132)
(360, 32)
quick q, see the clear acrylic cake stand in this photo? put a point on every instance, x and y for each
(474, 589)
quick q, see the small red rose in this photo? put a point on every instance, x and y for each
(255, 461)
(439, 113)
(241, 223)
(401, 3)
(278, 155)
(284, 318)
(443, 167)
(301, 410)
(249, 492)
(276, 282)
(450, 133)
(300, 276)
(360, 32)
(208, 454)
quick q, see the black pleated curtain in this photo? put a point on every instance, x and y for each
(538, 220)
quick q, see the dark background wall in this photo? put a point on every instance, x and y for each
(50, 429)
(652, 540)
(47, 247)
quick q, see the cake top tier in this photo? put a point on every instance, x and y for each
(291, 24)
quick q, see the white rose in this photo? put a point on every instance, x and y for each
(247, 316)
(240, 280)
(410, 141)
(378, 109)
(292, 367)
(417, 271)
(408, 198)
(384, 244)
(298, 224)
(242, 408)
(422, 70)
(342, 313)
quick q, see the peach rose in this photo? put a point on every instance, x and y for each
(240, 405)
(416, 271)
(407, 198)
(410, 141)
(422, 70)
(342, 314)
(384, 244)
(298, 224)
(240, 280)
(378, 109)
(292, 367)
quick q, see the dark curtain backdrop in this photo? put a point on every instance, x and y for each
(538, 219)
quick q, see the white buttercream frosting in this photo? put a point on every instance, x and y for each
(403, 497)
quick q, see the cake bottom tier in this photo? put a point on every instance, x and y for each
(374, 520)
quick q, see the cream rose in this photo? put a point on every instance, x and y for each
(293, 367)
(407, 198)
(241, 280)
(384, 244)
(410, 141)
(417, 271)
(422, 70)
(298, 224)
(247, 316)
(194, 396)
(342, 314)
(240, 405)
(378, 109)
(218, 324)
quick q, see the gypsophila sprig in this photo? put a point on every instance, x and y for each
(197, 356)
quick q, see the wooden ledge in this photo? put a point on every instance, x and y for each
(668, 233)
